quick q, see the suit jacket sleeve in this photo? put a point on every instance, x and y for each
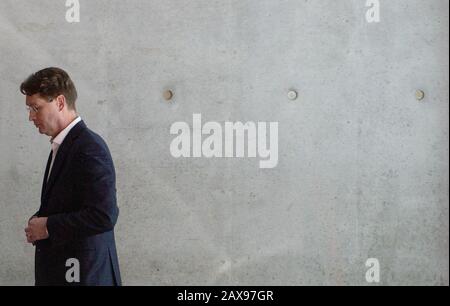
(96, 191)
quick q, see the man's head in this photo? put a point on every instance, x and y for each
(50, 98)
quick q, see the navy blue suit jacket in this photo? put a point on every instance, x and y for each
(79, 200)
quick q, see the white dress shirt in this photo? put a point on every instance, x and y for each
(58, 140)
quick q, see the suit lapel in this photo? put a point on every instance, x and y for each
(44, 183)
(61, 155)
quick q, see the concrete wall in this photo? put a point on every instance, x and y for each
(363, 165)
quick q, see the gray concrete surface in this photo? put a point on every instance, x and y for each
(363, 166)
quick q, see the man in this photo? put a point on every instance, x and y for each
(73, 231)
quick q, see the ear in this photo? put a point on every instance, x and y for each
(60, 102)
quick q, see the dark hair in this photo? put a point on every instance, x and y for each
(50, 83)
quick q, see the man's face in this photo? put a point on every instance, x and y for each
(44, 114)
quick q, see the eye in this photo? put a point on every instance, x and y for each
(33, 108)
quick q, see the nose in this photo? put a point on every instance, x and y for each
(31, 115)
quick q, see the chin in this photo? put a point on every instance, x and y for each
(42, 131)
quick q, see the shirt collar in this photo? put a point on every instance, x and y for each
(60, 137)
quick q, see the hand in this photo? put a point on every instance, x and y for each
(26, 229)
(37, 229)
